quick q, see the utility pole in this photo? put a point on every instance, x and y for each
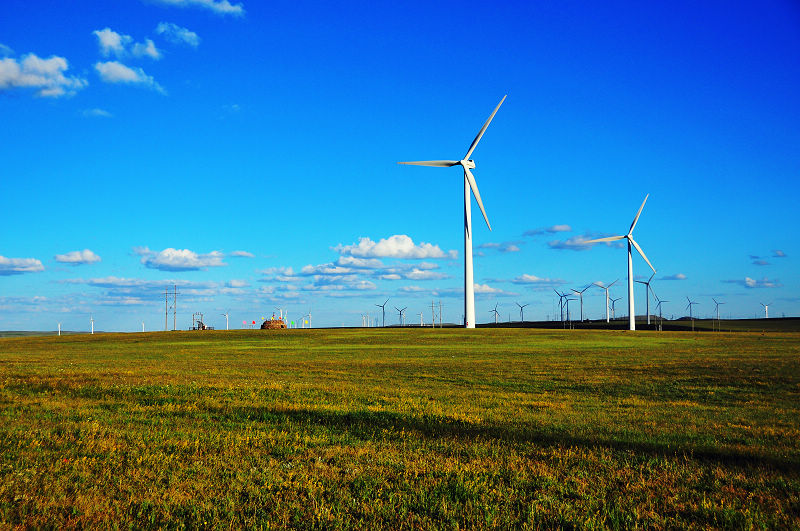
(175, 308)
(433, 316)
(440, 313)
(166, 307)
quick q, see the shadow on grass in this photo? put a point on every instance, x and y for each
(369, 425)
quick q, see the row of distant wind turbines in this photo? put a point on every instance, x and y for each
(470, 183)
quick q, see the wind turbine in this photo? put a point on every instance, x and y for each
(383, 310)
(59, 328)
(716, 308)
(601, 286)
(614, 307)
(400, 311)
(226, 319)
(469, 183)
(521, 313)
(91, 318)
(691, 303)
(495, 313)
(631, 241)
(647, 293)
(766, 309)
(561, 297)
(658, 308)
(566, 300)
(580, 294)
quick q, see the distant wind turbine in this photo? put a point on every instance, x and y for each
(601, 286)
(561, 297)
(469, 183)
(400, 311)
(647, 293)
(614, 307)
(631, 241)
(580, 294)
(521, 313)
(226, 319)
(766, 309)
(495, 313)
(383, 310)
(91, 318)
(691, 303)
(716, 306)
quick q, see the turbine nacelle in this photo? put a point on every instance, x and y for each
(469, 164)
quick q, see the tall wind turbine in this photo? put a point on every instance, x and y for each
(561, 297)
(647, 293)
(658, 309)
(91, 318)
(716, 308)
(601, 286)
(691, 303)
(383, 310)
(226, 319)
(469, 183)
(400, 311)
(631, 241)
(580, 294)
(521, 313)
(496, 313)
(766, 309)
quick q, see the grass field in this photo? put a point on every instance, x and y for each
(401, 428)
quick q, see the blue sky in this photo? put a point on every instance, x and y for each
(246, 151)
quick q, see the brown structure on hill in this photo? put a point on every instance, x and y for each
(273, 324)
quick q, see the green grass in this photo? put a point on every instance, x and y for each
(401, 428)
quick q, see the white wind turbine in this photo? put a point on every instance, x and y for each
(91, 318)
(631, 241)
(469, 183)
(226, 319)
(647, 293)
(766, 309)
(601, 286)
(496, 313)
(521, 313)
(580, 295)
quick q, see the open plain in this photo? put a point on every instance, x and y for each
(401, 428)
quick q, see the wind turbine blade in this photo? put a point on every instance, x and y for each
(638, 214)
(612, 283)
(651, 278)
(474, 186)
(642, 253)
(483, 130)
(435, 163)
(609, 239)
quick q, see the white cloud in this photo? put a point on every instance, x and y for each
(397, 246)
(578, 243)
(551, 230)
(753, 283)
(179, 259)
(419, 274)
(237, 283)
(485, 289)
(221, 7)
(411, 289)
(78, 257)
(359, 263)
(177, 35)
(97, 113)
(504, 247)
(5, 50)
(17, 266)
(46, 75)
(243, 254)
(116, 72)
(538, 281)
(119, 45)
(777, 253)
(676, 276)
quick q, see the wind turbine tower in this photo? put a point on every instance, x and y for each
(716, 308)
(601, 286)
(496, 313)
(691, 303)
(226, 319)
(614, 307)
(469, 183)
(631, 242)
(766, 309)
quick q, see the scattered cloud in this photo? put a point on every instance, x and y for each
(503, 247)
(178, 259)
(412, 289)
(18, 266)
(397, 246)
(753, 283)
(548, 230)
(5, 51)
(676, 276)
(760, 262)
(78, 257)
(178, 35)
(243, 254)
(538, 282)
(97, 113)
(220, 7)
(578, 243)
(121, 46)
(237, 283)
(116, 72)
(777, 253)
(45, 75)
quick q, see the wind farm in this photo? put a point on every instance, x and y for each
(211, 205)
